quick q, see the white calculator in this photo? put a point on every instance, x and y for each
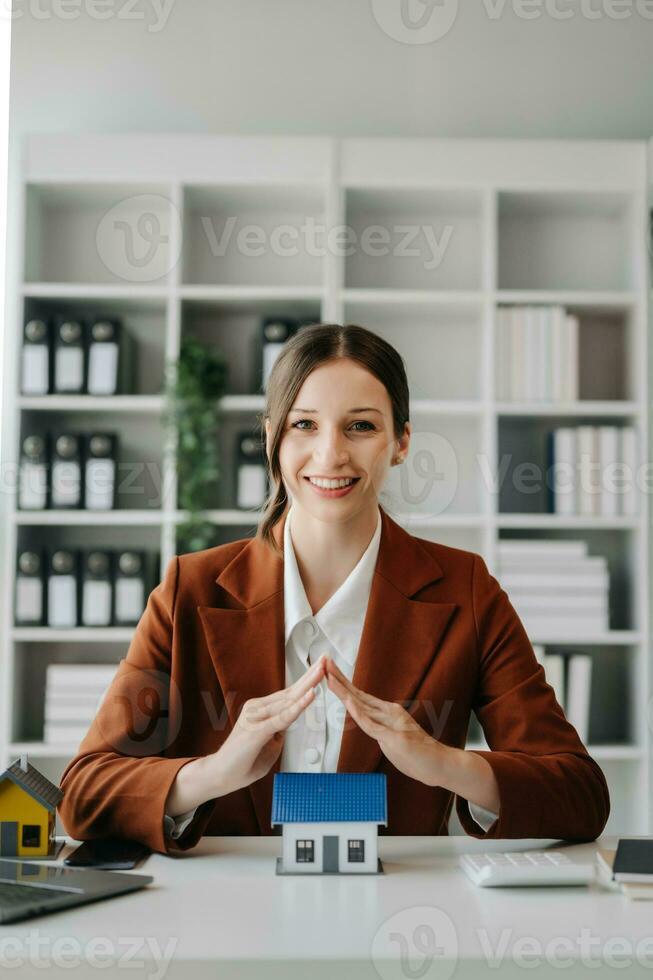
(525, 868)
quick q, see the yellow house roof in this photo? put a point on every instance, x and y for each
(34, 783)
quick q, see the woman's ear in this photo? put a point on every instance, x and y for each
(403, 444)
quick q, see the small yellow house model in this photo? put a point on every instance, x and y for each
(28, 809)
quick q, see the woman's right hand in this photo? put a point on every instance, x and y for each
(257, 738)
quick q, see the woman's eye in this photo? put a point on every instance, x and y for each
(299, 425)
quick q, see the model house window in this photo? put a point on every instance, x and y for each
(305, 852)
(31, 835)
(356, 850)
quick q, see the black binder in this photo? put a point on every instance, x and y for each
(36, 357)
(34, 473)
(63, 592)
(100, 475)
(67, 472)
(97, 589)
(29, 608)
(69, 362)
(130, 588)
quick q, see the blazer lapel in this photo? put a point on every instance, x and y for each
(399, 640)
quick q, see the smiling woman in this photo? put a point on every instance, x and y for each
(352, 387)
(253, 648)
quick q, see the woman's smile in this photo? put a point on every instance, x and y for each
(331, 492)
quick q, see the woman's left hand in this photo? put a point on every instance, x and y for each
(405, 743)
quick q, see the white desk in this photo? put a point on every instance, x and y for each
(222, 906)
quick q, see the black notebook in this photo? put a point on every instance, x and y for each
(633, 860)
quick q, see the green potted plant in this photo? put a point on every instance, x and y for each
(194, 386)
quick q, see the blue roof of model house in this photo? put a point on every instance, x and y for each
(312, 797)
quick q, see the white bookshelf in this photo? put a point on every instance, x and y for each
(531, 222)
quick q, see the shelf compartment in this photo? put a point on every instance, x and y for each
(234, 328)
(99, 233)
(144, 324)
(528, 477)
(31, 662)
(253, 234)
(439, 477)
(565, 240)
(420, 239)
(608, 367)
(622, 553)
(139, 471)
(441, 345)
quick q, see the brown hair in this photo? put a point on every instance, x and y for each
(310, 347)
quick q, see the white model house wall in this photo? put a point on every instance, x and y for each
(344, 831)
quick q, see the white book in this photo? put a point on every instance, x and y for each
(533, 373)
(579, 678)
(535, 582)
(55, 714)
(502, 355)
(608, 439)
(628, 455)
(588, 462)
(65, 700)
(545, 365)
(590, 565)
(541, 548)
(564, 478)
(558, 353)
(518, 380)
(568, 603)
(571, 358)
(80, 673)
(565, 625)
(554, 671)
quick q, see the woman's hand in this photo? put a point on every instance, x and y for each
(257, 738)
(405, 743)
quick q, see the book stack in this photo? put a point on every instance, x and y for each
(555, 586)
(537, 354)
(570, 676)
(73, 694)
(592, 470)
(628, 868)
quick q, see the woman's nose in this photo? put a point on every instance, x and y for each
(332, 449)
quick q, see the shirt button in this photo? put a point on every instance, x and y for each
(310, 629)
(312, 755)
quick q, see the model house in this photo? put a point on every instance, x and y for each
(330, 821)
(28, 805)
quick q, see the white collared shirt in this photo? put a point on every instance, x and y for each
(312, 742)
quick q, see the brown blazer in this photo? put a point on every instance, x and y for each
(440, 635)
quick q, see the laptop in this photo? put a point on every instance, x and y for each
(28, 889)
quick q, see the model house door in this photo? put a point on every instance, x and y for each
(330, 854)
(9, 837)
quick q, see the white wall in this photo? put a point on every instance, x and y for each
(310, 66)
